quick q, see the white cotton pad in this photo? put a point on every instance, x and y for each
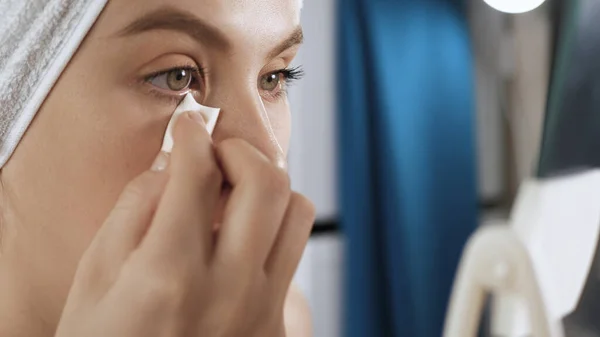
(189, 104)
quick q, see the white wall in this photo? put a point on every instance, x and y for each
(312, 156)
(313, 160)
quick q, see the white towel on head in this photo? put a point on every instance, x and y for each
(37, 40)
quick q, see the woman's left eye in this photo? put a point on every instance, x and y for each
(270, 82)
(276, 83)
(178, 80)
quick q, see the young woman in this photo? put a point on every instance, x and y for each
(101, 235)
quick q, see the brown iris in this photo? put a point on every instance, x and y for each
(270, 82)
(179, 79)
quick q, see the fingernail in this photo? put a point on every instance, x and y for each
(196, 117)
(161, 162)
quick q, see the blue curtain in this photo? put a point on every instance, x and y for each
(407, 162)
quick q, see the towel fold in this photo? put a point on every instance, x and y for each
(37, 40)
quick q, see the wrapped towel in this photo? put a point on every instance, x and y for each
(37, 40)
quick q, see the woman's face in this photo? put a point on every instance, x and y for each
(104, 121)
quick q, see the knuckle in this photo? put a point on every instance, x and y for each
(260, 171)
(161, 291)
(305, 210)
(236, 261)
(138, 189)
(275, 180)
(134, 192)
(280, 177)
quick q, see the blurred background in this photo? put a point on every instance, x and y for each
(415, 123)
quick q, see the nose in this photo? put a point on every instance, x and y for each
(243, 115)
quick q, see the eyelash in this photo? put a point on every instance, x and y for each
(290, 75)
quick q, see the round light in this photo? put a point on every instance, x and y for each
(514, 6)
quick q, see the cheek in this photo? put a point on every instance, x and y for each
(77, 156)
(118, 143)
(280, 118)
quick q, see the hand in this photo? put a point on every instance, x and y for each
(156, 269)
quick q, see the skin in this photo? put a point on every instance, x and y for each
(102, 126)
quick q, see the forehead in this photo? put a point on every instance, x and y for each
(249, 21)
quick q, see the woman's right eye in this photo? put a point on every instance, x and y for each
(176, 80)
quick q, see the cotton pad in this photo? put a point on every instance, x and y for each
(210, 116)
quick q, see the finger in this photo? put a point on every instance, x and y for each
(181, 230)
(291, 240)
(259, 195)
(127, 223)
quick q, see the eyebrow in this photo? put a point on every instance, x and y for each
(169, 18)
(296, 38)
